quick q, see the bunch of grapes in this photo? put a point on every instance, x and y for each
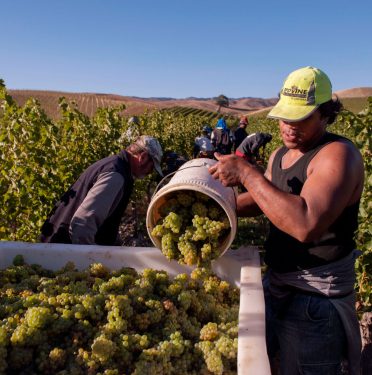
(191, 228)
(99, 321)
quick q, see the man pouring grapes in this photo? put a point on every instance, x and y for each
(310, 193)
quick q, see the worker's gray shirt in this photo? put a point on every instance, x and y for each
(99, 203)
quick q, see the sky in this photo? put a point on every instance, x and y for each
(182, 48)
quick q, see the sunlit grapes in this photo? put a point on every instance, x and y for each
(99, 321)
(191, 228)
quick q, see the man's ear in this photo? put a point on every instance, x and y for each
(143, 157)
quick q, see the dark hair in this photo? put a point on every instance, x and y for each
(331, 109)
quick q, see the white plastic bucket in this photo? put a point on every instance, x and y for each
(194, 175)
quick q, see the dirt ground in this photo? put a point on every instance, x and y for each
(132, 231)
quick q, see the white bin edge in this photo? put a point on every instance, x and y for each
(240, 267)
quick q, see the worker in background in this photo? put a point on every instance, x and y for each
(209, 131)
(253, 145)
(241, 132)
(133, 130)
(172, 161)
(203, 147)
(222, 137)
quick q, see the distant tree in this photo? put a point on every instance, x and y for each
(221, 101)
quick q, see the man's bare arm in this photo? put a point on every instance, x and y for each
(246, 205)
(334, 182)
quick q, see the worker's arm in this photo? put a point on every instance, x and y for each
(246, 205)
(99, 203)
(334, 181)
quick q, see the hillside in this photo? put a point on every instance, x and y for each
(89, 102)
(358, 92)
(353, 99)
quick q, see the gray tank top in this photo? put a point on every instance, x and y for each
(286, 254)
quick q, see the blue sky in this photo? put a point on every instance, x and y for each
(180, 48)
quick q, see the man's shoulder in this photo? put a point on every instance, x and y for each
(336, 142)
(341, 151)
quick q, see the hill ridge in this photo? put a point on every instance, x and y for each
(89, 102)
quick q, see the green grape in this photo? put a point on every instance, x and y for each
(20, 357)
(18, 260)
(202, 197)
(215, 212)
(214, 362)
(57, 357)
(171, 205)
(185, 299)
(98, 270)
(103, 349)
(158, 231)
(188, 251)
(173, 222)
(206, 251)
(38, 317)
(199, 209)
(227, 347)
(186, 214)
(124, 322)
(195, 238)
(209, 332)
(188, 234)
(212, 357)
(200, 273)
(168, 247)
(185, 199)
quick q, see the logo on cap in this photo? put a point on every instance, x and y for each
(296, 92)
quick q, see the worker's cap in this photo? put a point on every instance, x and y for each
(152, 146)
(133, 120)
(302, 93)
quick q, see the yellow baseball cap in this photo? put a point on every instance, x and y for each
(302, 93)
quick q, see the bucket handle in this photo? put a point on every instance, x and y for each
(161, 181)
(191, 166)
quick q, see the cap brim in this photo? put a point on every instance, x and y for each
(291, 112)
(158, 168)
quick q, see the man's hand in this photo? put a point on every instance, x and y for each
(229, 169)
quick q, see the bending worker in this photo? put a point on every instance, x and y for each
(310, 193)
(241, 132)
(91, 210)
(249, 149)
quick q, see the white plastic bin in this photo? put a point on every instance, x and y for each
(239, 267)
